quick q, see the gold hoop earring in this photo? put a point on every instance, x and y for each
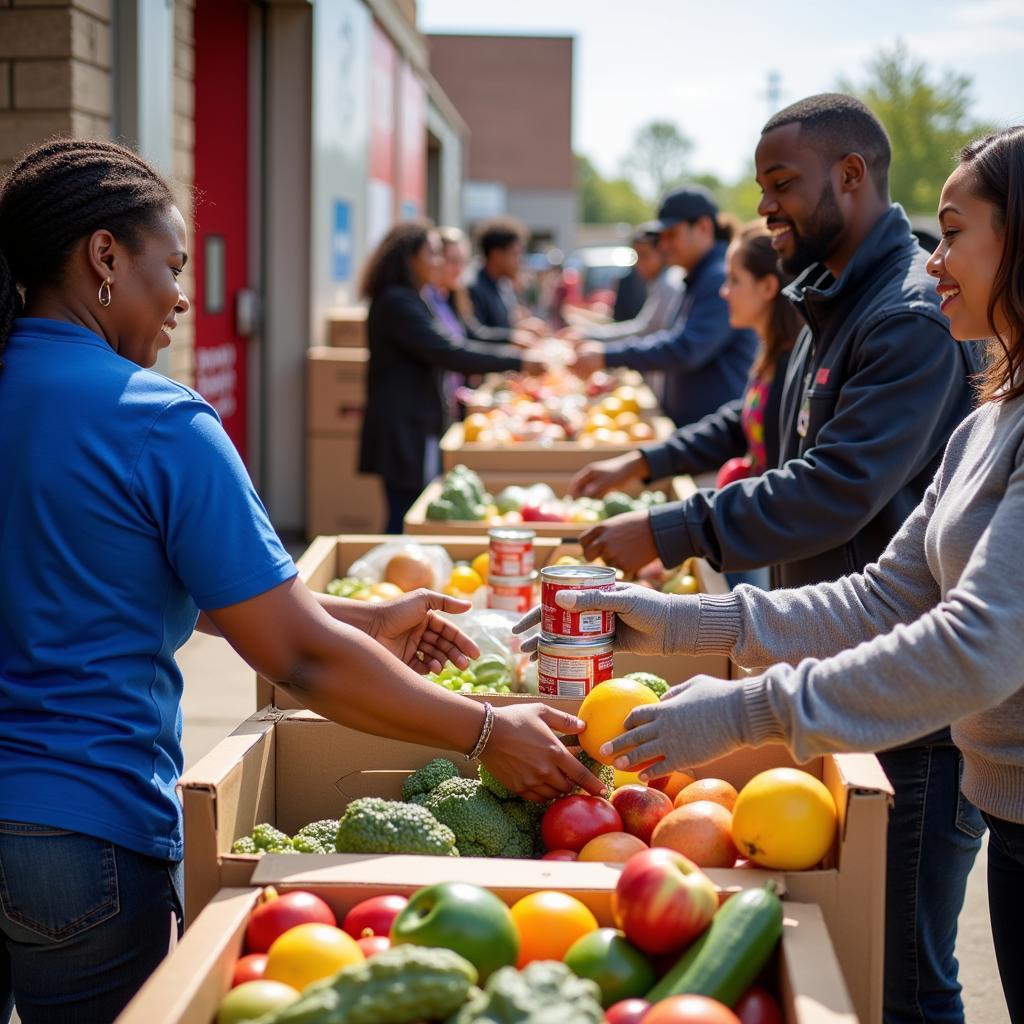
(104, 293)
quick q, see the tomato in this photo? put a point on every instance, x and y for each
(249, 968)
(310, 952)
(279, 913)
(628, 1011)
(373, 916)
(371, 945)
(758, 1006)
(548, 924)
(572, 821)
(690, 1010)
(605, 710)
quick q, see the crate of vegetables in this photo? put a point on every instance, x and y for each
(290, 782)
(470, 945)
(464, 501)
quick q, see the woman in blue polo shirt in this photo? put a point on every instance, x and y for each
(124, 510)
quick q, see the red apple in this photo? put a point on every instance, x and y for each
(626, 1011)
(373, 916)
(662, 900)
(641, 808)
(279, 913)
(572, 821)
(559, 855)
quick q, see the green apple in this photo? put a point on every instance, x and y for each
(254, 999)
(619, 968)
(464, 918)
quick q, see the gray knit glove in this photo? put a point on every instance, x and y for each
(646, 621)
(695, 722)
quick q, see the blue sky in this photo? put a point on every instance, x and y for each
(705, 65)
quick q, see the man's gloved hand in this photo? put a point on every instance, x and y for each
(694, 723)
(647, 622)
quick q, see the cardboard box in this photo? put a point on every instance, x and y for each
(416, 521)
(494, 382)
(346, 327)
(335, 391)
(293, 767)
(188, 986)
(541, 460)
(339, 499)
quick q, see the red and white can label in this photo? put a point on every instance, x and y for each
(510, 595)
(573, 672)
(572, 625)
(511, 552)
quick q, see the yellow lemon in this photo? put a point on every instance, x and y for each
(605, 710)
(466, 579)
(481, 565)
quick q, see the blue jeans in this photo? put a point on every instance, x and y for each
(1006, 907)
(83, 923)
(934, 836)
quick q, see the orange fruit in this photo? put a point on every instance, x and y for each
(612, 847)
(672, 784)
(605, 710)
(480, 565)
(784, 819)
(701, 831)
(309, 952)
(548, 923)
(718, 791)
(626, 779)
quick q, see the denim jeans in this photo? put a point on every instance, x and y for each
(934, 835)
(83, 923)
(1006, 907)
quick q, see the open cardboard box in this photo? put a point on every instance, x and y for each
(416, 520)
(532, 457)
(188, 986)
(290, 768)
(645, 397)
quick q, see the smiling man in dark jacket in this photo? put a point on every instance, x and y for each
(874, 387)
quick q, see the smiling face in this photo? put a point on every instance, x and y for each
(425, 262)
(454, 260)
(967, 259)
(750, 298)
(684, 244)
(799, 199)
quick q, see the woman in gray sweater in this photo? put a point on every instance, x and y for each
(931, 634)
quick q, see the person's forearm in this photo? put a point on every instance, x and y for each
(354, 613)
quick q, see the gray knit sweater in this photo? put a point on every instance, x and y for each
(932, 633)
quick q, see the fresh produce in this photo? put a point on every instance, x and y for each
(478, 820)
(641, 808)
(559, 855)
(250, 967)
(620, 969)
(542, 993)
(399, 986)
(662, 901)
(310, 952)
(629, 1011)
(681, 583)
(672, 784)
(570, 822)
(612, 848)
(371, 945)
(462, 497)
(690, 1010)
(758, 1006)
(490, 673)
(785, 819)
(407, 571)
(718, 791)
(657, 685)
(605, 710)
(373, 825)
(465, 579)
(373, 916)
(317, 837)
(726, 959)
(701, 831)
(418, 786)
(277, 914)
(364, 590)
(253, 999)
(549, 923)
(465, 918)
(264, 839)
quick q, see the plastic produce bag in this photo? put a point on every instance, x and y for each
(491, 630)
(372, 565)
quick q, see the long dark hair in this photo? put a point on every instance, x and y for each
(59, 193)
(996, 174)
(389, 262)
(754, 250)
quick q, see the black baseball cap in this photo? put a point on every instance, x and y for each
(687, 204)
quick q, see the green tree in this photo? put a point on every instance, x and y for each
(659, 158)
(739, 198)
(928, 120)
(608, 201)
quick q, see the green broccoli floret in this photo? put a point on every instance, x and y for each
(491, 784)
(418, 786)
(244, 845)
(373, 825)
(269, 839)
(317, 837)
(657, 685)
(604, 772)
(478, 819)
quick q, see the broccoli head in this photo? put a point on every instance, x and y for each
(317, 837)
(478, 819)
(491, 784)
(269, 839)
(604, 772)
(418, 786)
(244, 845)
(657, 685)
(373, 825)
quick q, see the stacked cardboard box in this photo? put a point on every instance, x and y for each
(346, 327)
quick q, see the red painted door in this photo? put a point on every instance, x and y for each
(221, 206)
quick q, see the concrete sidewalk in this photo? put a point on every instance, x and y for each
(220, 691)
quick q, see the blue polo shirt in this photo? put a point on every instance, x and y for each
(124, 509)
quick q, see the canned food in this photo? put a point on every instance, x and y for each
(510, 593)
(573, 669)
(511, 551)
(561, 624)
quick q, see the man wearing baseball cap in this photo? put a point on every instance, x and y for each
(704, 359)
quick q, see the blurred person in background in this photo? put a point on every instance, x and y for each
(630, 295)
(410, 349)
(705, 360)
(493, 291)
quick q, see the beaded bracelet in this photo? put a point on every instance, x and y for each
(485, 733)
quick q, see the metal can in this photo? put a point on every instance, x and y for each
(573, 669)
(511, 551)
(510, 593)
(561, 624)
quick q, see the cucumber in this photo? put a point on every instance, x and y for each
(724, 961)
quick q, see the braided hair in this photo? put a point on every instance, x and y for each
(59, 193)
